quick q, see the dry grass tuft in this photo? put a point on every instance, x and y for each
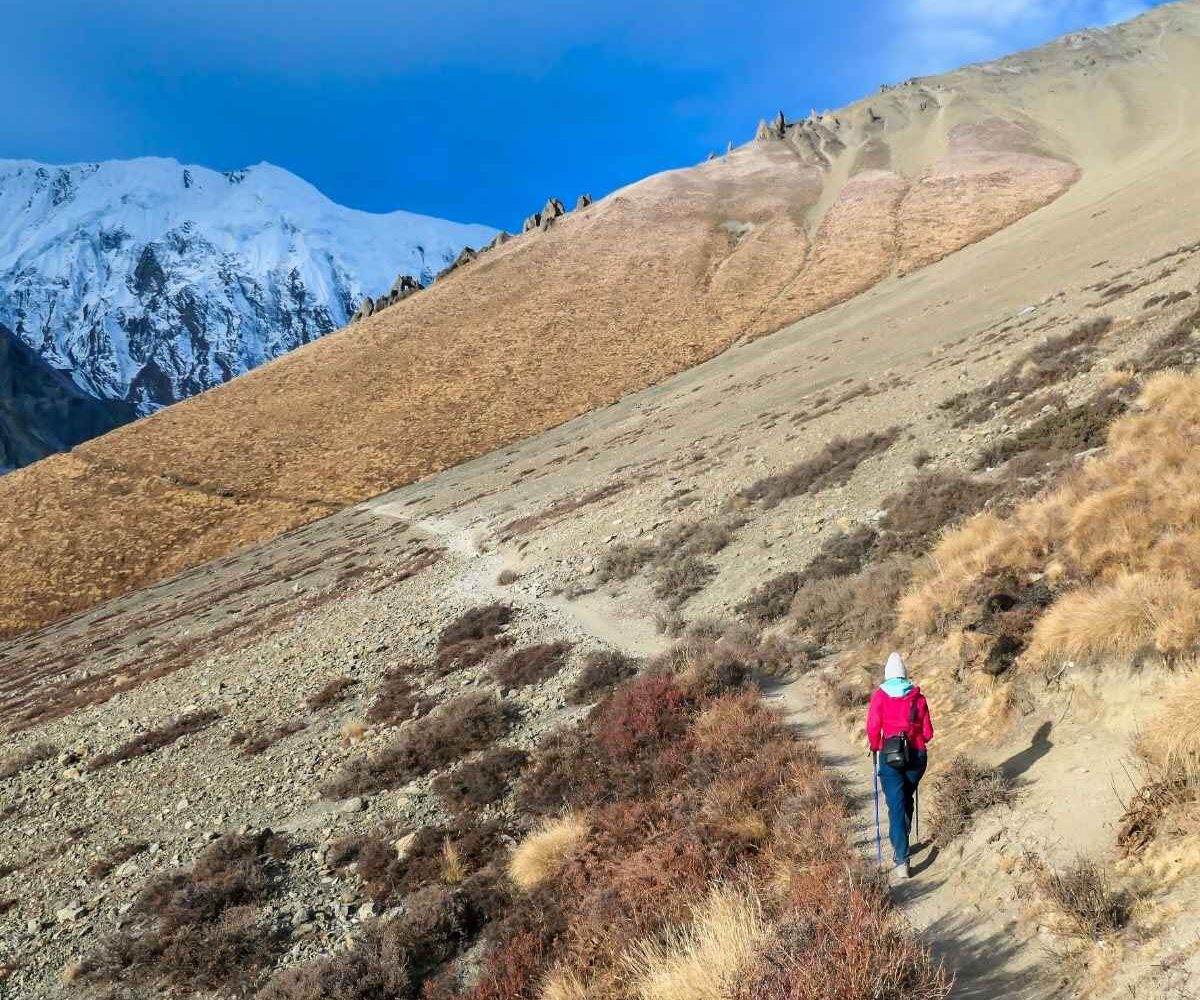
(542, 854)
(1118, 542)
(705, 959)
(562, 983)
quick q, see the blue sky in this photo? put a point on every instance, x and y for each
(469, 109)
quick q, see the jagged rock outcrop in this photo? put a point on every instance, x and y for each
(583, 201)
(498, 240)
(404, 286)
(42, 411)
(468, 254)
(532, 222)
(553, 209)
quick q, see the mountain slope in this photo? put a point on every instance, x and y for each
(861, 207)
(151, 281)
(42, 411)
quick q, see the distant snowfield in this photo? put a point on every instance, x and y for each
(150, 281)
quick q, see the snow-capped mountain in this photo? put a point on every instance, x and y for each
(148, 281)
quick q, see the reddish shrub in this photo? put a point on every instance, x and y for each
(155, 739)
(641, 715)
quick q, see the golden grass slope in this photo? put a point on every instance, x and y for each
(650, 280)
(1119, 542)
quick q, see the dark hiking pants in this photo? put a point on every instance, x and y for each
(899, 788)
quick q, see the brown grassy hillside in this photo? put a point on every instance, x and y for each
(648, 281)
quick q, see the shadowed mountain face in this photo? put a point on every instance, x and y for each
(868, 209)
(42, 411)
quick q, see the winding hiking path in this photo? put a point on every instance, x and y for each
(950, 899)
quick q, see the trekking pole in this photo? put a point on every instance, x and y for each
(917, 813)
(875, 783)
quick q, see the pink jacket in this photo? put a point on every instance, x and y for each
(888, 716)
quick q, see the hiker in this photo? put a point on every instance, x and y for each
(899, 729)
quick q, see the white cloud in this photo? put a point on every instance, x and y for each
(935, 35)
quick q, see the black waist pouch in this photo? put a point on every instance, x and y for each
(898, 752)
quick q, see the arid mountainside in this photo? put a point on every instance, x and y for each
(844, 207)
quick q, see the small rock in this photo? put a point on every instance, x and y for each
(354, 805)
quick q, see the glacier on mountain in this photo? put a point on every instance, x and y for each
(148, 281)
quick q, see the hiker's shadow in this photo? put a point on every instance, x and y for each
(1019, 763)
(926, 862)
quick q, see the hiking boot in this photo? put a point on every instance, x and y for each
(903, 871)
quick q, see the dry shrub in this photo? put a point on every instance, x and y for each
(531, 664)
(852, 611)
(14, 763)
(840, 555)
(1171, 753)
(623, 560)
(507, 577)
(398, 699)
(832, 466)
(542, 854)
(602, 670)
(375, 968)
(156, 739)
(917, 515)
(471, 722)
(394, 959)
(329, 694)
(390, 869)
(963, 792)
(678, 581)
(705, 959)
(693, 539)
(839, 940)
(1178, 348)
(473, 637)
(1060, 434)
(1051, 361)
(198, 929)
(253, 745)
(103, 867)
(480, 782)
(1083, 895)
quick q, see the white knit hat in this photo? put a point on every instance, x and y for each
(895, 668)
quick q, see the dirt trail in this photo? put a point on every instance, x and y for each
(981, 944)
(594, 614)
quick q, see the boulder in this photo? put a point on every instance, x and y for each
(498, 240)
(365, 308)
(533, 222)
(583, 202)
(553, 209)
